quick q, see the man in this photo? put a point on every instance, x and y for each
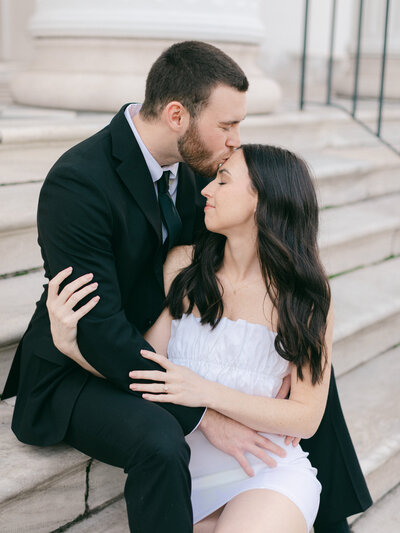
(105, 209)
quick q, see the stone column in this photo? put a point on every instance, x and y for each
(95, 54)
(371, 52)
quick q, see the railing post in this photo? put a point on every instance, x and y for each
(304, 58)
(357, 62)
(330, 61)
(378, 129)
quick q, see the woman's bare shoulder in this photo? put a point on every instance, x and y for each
(178, 258)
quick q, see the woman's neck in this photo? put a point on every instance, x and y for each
(241, 258)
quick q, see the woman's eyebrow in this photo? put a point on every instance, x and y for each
(220, 170)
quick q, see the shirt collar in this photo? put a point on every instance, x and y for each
(155, 169)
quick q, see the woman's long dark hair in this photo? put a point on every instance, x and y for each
(287, 223)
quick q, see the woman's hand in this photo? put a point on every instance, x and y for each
(63, 319)
(178, 384)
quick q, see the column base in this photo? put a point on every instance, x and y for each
(100, 74)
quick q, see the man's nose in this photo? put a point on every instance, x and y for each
(234, 138)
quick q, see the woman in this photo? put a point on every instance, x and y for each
(249, 305)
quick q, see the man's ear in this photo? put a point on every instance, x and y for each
(176, 116)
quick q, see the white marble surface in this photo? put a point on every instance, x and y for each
(370, 398)
(17, 303)
(22, 164)
(360, 234)
(112, 519)
(18, 205)
(105, 482)
(19, 251)
(383, 516)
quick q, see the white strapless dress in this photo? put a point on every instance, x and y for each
(240, 355)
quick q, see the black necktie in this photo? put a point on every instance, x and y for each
(169, 214)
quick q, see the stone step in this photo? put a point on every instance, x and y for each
(350, 236)
(367, 314)
(30, 163)
(351, 175)
(369, 400)
(112, 519)
(19, 250)
(43, 488)
(23, 126)
(318, 127)
(370, 397)
(383, 516)
(18, 206)
(366, 301)
(17, 304)
(360, 234)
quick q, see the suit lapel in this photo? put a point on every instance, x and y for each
(133, 170)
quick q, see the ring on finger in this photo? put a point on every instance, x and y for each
(165, 387)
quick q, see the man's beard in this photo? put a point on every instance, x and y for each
(194, 152)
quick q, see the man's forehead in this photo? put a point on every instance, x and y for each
(227, 104)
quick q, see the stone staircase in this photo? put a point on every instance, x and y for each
(358, 182)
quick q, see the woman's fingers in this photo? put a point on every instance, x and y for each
(86, 308)
(149, 387)
(55, 282)
(77, 296)
(72, 287)
(152, 375)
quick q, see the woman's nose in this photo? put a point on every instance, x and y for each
(206, 191)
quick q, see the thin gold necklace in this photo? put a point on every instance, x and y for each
(241, 285)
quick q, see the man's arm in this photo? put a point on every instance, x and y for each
(75, 224)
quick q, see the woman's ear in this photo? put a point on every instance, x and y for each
(176, 116)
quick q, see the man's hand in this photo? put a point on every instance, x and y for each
(283, 394)
(235, 439)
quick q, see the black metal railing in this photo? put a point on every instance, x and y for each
(355, 97)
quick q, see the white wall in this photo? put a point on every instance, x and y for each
(284, 21)
(15, 39)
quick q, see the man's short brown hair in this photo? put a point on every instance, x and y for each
(187, 72)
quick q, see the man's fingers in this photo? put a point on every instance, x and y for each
(86, 308)
(244, 463)
(285, 388)
(262, 454)
(294, 440)
(263, 442)
(55, 282)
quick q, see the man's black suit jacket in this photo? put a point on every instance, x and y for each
(98, 212)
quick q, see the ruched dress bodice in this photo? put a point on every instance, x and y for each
(240, 355)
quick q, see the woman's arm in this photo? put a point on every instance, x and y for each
(299, 416)
(64, 320)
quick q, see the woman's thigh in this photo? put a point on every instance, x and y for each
(207, 525)
(261, 511)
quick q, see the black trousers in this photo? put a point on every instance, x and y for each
(145, 440)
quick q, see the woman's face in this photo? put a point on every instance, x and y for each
(231, 200)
